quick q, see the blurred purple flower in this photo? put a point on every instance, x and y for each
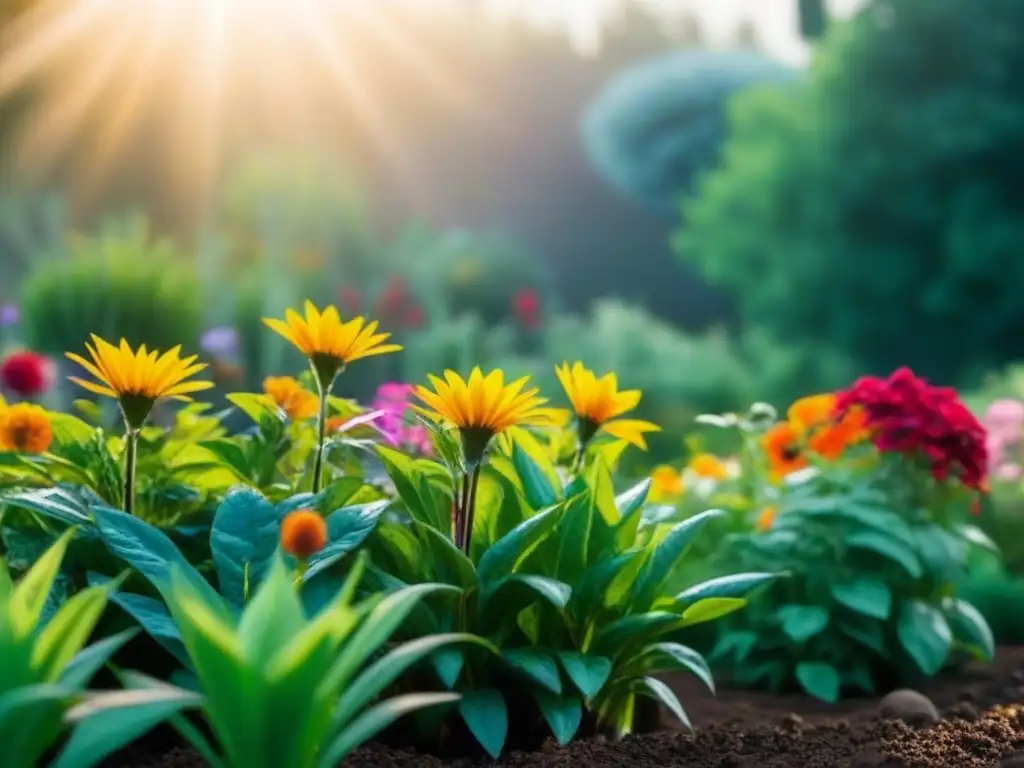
(221, 341)
(9, 315)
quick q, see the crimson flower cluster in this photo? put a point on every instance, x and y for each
(905, 414)
(26, 374)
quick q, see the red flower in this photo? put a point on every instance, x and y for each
(351, 300)
(906, 414)
(526, 305)
(26, 374)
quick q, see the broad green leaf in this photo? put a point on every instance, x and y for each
(711, 608)
(941, 552)
(867, 632)
(231, 456)
(243, 539)
(448, 663)
(886, 546)
(880, 519)
(148, 550)
(81, 669)
(802, 622)
(563, 714)
(506, 554)
(376, 719)
(867, 596)
(970, 628)
(555, 592)
(256, 406)
(614, 638)
(272, 617)
(486, 716)
(573, 538)
(667, 552)
(55, 503)
(406, 476)
(739, 643)
(347, 529)
(630, 505)
(108, 721)
(539, 491)
(155, 619)
(738, 585)
(592, 590)
(654, 688)
(599, 480)
(925, 634)
(588, 673)
(536, 665)
(458, 569)
(68, 429)
(68, 631)
(819, 679)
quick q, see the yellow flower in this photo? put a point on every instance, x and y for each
(138, 379)
(482, 407)
(290, 397)
(25, 428)
(666, 484)
(811, 411)
(598, 403)
(707, 465)
(329, 343)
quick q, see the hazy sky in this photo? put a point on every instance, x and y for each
(776, 20)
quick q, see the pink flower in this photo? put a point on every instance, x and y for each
(393, 398)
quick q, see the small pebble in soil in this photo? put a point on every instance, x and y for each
(911, 707)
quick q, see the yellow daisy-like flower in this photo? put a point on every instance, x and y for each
(137, 379)
(25, 428)
(482, 407)
(329, 343)
(709, 466)
(598, 404)
(290, 397)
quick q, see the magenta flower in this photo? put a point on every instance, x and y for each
(394, 424)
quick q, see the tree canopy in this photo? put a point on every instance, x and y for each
(877, 209)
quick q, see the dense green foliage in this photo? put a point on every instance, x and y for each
(876, 209)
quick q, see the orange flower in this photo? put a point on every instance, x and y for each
(25, 428)
(766, 518)
(811, 412)
(709, 466)
(291, 398)
(666, 484)
(782, 444)
(303, 533)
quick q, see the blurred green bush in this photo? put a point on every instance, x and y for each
(118, 283)
(894, 241)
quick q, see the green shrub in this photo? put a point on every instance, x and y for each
(117, 283)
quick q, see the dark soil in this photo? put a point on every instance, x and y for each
(982, 724)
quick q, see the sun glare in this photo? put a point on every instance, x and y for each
(107, 77)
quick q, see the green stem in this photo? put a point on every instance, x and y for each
(131, 442)
(471, 507)
(321, 429)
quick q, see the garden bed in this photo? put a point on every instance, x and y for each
(738, 728)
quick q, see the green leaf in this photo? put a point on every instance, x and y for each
(802, 622)
(867, 632)
(243, 540)
(614, 637)
(231, 456)
(711, 608)
(68, 429)
(448, 663)
(55, 503)
(738, 585)
(654, 688)
(941, 552)
(538, 489)
(657, 658)
(870, 597)
(739, 643)
(68, 631)
(667, 552)
(87, 662)
(977, 537)
(155, 619)
(406, 476)
(510, 551)
(486, 716)
(458, 569)
(820, 680)
(878, 519)
(555, 592)
(256, 406)
(347, 529)
(537, 666)
(925, 634)
(592, 591)
(376, 719)
(148, 550)
(29, 598)
(574, 538)
(885, 546)
(970, 628)
(588, 673)
(106, 722)
(562, 713)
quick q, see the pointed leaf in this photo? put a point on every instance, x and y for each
(505, 555)
(819, 679)
(536, 665)
(562, 713)
(666, 555)
(88, 662)
(925, 634)
(243, 539)
(654, 688)
(486, 716)
(588, 673)
(539, 491)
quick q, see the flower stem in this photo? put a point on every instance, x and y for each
(131, 443)
(321, 429)
(471, 484)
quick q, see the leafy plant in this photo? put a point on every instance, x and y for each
(45, 666)
(282, 690)
(556, 581)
